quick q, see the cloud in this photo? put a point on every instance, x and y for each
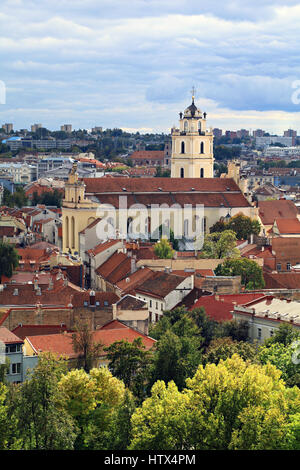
(87, 62)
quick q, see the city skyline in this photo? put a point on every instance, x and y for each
(91, 65)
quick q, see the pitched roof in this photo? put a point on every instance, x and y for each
(219, 307)
(102, 247)
(148, 185)
(117, 267)
(151, 154)
(33, 330)
(160, 284)
(288, 226)
(271, 210)
(134, 280)
(287, 280)
(62, 345)
(7, 337)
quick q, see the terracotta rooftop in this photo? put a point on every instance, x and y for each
(219, 307)
(33, 330)
(271, 210)
(148, 185)
(61, 344)
(7, 337)
(160, 284)
(151, 154)
(117, 267)
(102, 247)
(288, 226)
(129, 302)
(287, 280)
(134, 280)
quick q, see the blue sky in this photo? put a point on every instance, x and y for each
(132, 64)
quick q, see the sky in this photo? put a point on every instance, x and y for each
(132, 64)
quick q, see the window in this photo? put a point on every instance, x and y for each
(288, 266)
(202, 147)
(156, 305)
(150, 303)
(16, 368)
(181, 172)
(156, 317)
(279, 267)
(259, 333)
(13, 348)
(182, 147)
(202, 173)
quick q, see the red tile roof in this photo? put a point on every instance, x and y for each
(148, 154)
(61, 344)
(288, 226)
(117, 267)
(160, 284)
(102, 247)
(148, 185)
(7, 337)
(287, 280)
(134, 280)
(271, 210)
(219, 308)
(33, 330)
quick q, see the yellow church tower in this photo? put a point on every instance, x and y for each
(192, 146)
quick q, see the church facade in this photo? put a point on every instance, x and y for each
(131, 201)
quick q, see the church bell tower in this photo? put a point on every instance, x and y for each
(192, 145)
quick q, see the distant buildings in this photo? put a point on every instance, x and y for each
(66, 128)
(8, 127)
(35, 127)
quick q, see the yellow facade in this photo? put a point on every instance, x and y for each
(192, 146)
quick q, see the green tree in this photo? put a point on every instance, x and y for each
(243, 226)
(283, 358)
(163, 249)
(236, 330)
(42, 421)
(223, 348)
(9, 259)
(231, 405)
(250, 272)
(83, 344)
(92, 400)
(130, 362)
(220, 245)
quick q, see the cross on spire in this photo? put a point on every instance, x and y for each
(193, 91)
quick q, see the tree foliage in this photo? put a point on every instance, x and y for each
(250, 272)
(231, 405)
(219, 245)
(9, 259)
(163, 249)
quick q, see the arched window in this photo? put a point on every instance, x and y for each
(202, 147)
(67, 233)
(129, 226)
(182, 147)
(186, 126)
(186, 228)
(73, 232)
(201, 172)
(181, 172)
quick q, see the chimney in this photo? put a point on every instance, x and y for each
(92, 297)
(114, 311)
(133, 264)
